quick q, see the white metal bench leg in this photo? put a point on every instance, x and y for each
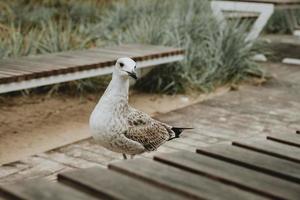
(265, 11)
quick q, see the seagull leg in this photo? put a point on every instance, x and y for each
(124, 156)
(132, 156)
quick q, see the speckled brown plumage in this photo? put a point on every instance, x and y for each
(147, 131)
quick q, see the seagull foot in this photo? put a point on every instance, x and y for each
(124, 156)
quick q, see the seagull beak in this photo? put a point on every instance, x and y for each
(133, 75)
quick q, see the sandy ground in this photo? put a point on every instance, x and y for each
(35, 124)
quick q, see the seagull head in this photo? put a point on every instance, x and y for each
(126, 67)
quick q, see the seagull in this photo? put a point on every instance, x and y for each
(121, 128)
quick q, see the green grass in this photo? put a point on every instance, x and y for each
(213, 56)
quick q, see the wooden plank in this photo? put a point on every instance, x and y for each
(271, 148)
(15, 71)
(254, 160)
(232, 174)
(154, 48)
(180, 146)
(10, 73)
(36, 167)
(28, 65)
(112, 185)
(5, 74)
(179, 181)
(88, 155)
(115, 53)
(89, 54)
(290, 139)
(41, 190)
(69, 161)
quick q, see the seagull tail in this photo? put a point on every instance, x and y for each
(178, 131)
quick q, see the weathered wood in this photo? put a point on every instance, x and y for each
(178, 145)
(290, 139)
(179, 181)
(232, 174)
(74, 61)
(272, 148)
(254, 160)
(69, 161)
(41, 190)
(87, 155)
(92, 146)
(9, 169)
(112, 185)
(35, 167)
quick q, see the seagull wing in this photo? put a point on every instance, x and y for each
(147, 131)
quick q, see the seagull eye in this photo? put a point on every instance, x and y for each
(121, 64)
(135, 67)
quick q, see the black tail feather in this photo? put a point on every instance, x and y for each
(178, 131)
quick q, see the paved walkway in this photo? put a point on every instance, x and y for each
(248, 112)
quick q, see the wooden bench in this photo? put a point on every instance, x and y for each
(261, 10)
(248, 8)
(33, 71)
(260, 168)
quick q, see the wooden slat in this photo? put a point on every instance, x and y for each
(14, 71)
(254, 160)
(179, 181)
(231, 174)
(113, 185)
(28, 64)
(99, 54)
(115, 53)
(41, 190)
(10, 73)
(4, 75)
(271, 148)
(290, 139)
